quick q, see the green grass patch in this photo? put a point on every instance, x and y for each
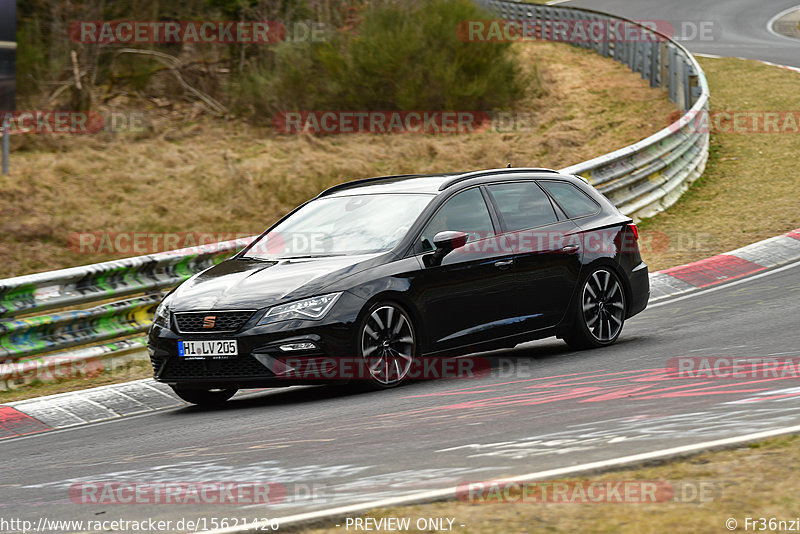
(748, 190)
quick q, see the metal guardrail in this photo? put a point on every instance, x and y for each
(640, 179)
(649, 176)
(32, 343)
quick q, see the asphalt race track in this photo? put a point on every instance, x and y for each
(542, 407)
(717, 27)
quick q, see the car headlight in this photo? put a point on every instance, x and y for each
(161, 317)
(310, 308)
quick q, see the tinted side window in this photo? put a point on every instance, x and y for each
(464, 212)
(572, 200)
(523, 205)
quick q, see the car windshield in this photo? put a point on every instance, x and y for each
(334, 226)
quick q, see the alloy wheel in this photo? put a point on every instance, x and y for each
(388, 345)
(603, 304)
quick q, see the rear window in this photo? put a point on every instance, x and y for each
(572, 200)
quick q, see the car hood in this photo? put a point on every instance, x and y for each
(250, 284)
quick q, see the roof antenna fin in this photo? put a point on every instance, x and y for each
(509, 165)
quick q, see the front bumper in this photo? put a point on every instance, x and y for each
(260, 361)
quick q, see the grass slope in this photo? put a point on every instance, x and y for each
(204, 175)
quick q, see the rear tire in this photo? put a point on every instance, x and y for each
(598, 312)
(204, 396)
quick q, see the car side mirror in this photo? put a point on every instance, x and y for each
(445, 243)
(450, 240)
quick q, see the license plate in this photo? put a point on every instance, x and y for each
(219, 349)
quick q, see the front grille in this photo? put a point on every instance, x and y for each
(200, 322)
(241, 367)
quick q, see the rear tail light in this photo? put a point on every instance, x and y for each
(635, 231)
(631, 242)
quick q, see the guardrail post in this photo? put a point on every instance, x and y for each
(680, 96)
(691, 82)
(5, 145)
(663, 64)
(619, 51)
(631, 56)
(654, 59)
(674, 80)
(642, 60)
(694, 87)
(605, 44)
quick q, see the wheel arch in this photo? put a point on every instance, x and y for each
(586, 270)
(618, 270)
(401, 299)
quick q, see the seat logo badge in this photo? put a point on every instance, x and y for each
(209, 320)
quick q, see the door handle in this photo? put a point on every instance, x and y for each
(570, 248)
(504, 264)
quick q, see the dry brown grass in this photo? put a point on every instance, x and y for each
(225, 176)
(134, 370)
(749, 189)
(762, 480)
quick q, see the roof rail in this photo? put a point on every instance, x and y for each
(346, 185)
(474, 174)
(352, 183)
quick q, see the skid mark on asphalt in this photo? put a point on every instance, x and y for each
(307, 485)
(583, 437)
(644, 384)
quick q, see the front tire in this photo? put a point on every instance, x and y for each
(598, 313)
(204, 396)
(387, 345)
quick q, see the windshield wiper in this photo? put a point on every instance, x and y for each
(304, 256)
(256, 258)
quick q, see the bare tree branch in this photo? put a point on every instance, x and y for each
(173, 64)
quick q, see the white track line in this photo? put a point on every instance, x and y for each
(668, 299)
(450, 493)
(773, 20)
